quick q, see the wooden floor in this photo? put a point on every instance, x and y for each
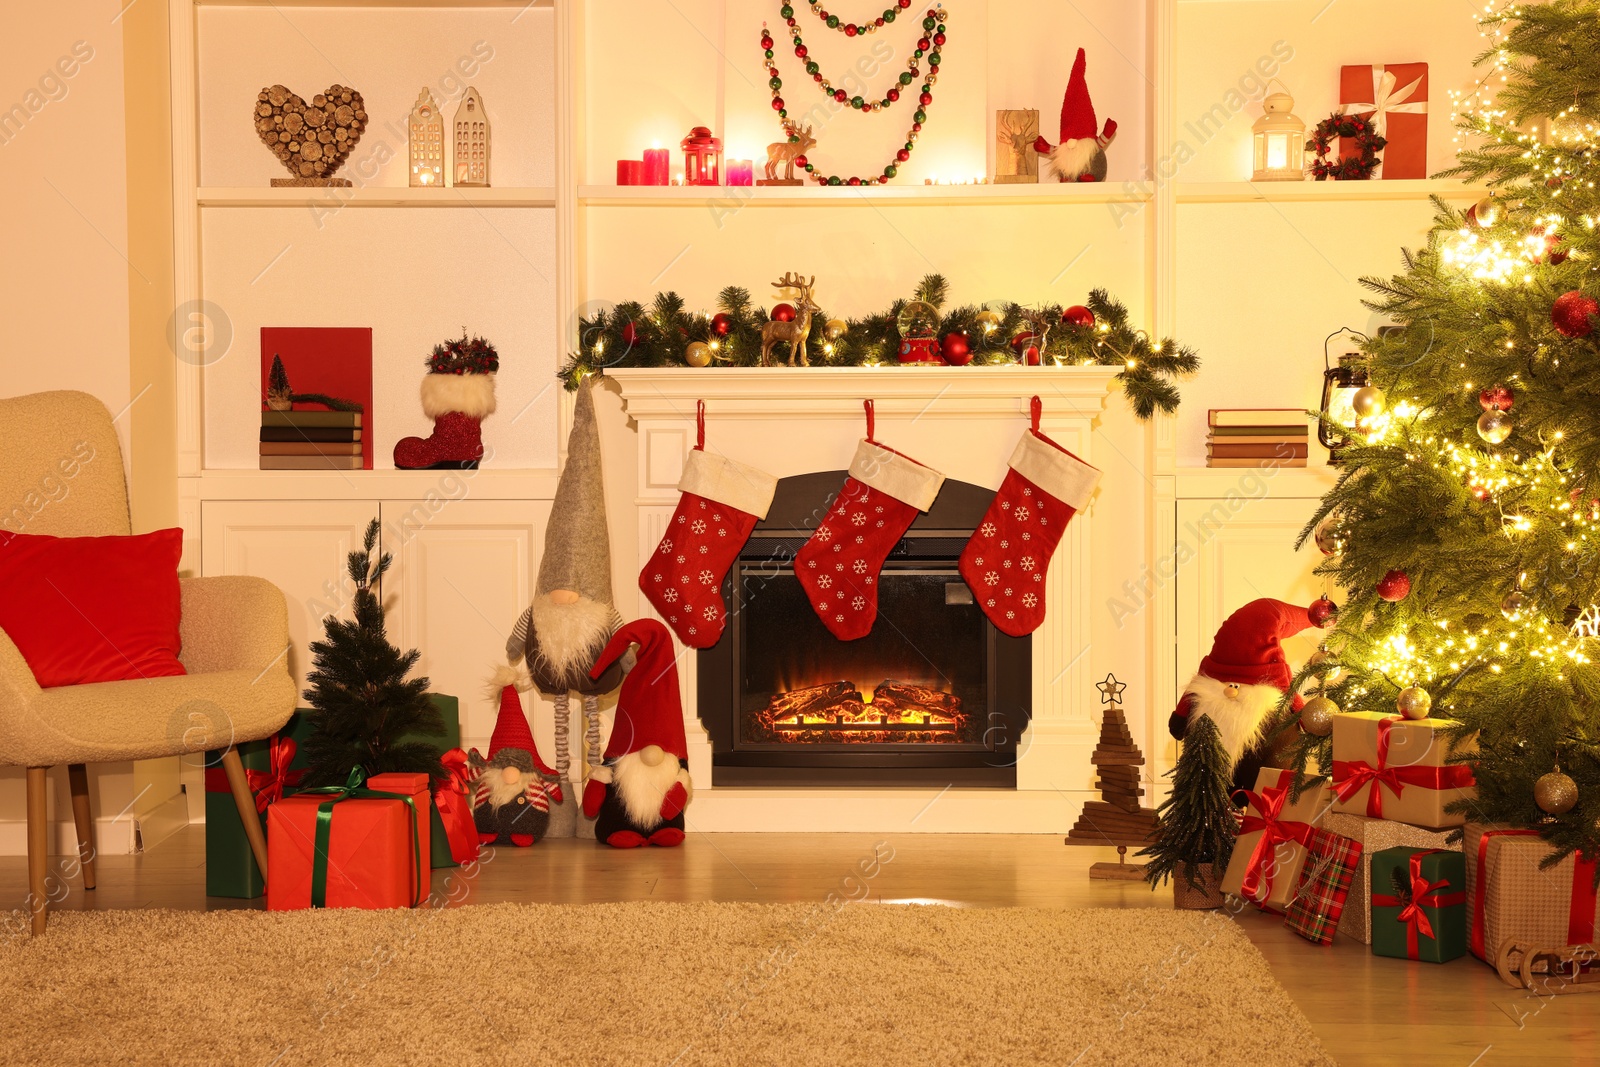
(1366, 1010)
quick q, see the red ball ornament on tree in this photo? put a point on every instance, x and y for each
(956, 350)
(721, 324)
(1571, 313)
(1021, 340)
(1554, 254)
(1394, 586)
(1078, 315)
(783, 313)
(1496, 398)
(1323, 612)
(630, 334)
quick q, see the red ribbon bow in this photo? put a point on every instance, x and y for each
(268, 785)
(1349, 776)
(453, 798)
(1258, 874)
(1423, 895)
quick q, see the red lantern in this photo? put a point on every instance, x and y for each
(957, 351)
(721, 324)
(702, 158)
(1078, 315)
(783, 313)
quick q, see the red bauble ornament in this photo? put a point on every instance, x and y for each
(721, 324)
(1571, 313)
(1323, 611)
(630, 334)
(783, 313)
(957, 351)
(1078, 315)
(1496, 398)
(1394, 586)
(1031, 356)
(1554, 254)
(1022, 339)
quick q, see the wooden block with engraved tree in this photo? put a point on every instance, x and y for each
(1117, 818)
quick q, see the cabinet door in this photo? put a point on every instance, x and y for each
(300, 546)
(464, 571)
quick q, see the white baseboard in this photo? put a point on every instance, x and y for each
(113, 837)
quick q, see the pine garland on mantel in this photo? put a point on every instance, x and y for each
(661, 331)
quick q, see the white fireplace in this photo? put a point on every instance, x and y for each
(962, 421)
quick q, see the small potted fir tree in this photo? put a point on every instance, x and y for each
(1198, 827)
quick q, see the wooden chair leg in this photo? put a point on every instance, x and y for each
(38, 848)
(78, 779)
(245, 801)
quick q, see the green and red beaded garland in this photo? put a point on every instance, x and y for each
(933, 38)
(851, 29)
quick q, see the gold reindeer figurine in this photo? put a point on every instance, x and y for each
(786, 152)
(794, 333)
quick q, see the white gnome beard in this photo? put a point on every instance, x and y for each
(1240, 721)
(570, 637)
(494, 790)
(642, 788)
(1074, 157)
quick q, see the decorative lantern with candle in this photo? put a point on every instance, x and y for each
(1341, 380)
(1280, 141)
(426, 130)
(702, 158)
(470, 144)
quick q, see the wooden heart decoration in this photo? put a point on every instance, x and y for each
(312, 140)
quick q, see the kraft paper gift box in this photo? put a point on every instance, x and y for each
(1395, 97)
(1273, 835)
(1510, 900)
(362, 845)
(1388, 767)
(1419, 904)
(271, 766)
(1375, 835)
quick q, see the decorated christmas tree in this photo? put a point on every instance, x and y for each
(1198, 825)
(368, 713)
(1464, 529)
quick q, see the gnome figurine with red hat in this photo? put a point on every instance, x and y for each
(638, 795)
(514, 788)
(1081, 155)
(1240, 685)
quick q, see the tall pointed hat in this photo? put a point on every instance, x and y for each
(577, 546)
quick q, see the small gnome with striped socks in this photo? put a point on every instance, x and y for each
(513, 790)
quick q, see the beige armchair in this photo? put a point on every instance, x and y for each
(61, 473)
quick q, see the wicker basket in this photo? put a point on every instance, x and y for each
(1190, 899)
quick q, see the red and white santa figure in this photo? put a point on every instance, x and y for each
(1081, 155)
(638, 794)
(1241, 683)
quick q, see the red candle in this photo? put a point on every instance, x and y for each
(657, 164)
(630, 172)
(741, 172)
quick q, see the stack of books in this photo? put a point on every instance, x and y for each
(311, 441)
(1257, 437)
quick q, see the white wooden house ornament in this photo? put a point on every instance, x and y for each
(426, 128)
(470, 141)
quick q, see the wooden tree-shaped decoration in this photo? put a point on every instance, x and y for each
(1117, 818)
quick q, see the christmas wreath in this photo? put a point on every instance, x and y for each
(1349, 168)
(631, 334)
(475, 356)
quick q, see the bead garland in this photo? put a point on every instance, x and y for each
(851, 29)
(931, 24)
(932, 39)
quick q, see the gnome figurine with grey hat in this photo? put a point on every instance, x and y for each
(572, 617)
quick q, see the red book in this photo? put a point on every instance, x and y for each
(333, 360)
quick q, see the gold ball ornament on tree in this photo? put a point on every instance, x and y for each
(1328, 665)
(1368, 402)
(698, 354)
(1413, 702)
(835, 329)
(989, 319)
(1316, 718)
(1329, 536)
(1555, 793)
(1494, 426)
(1485, 212)
(1514, 603)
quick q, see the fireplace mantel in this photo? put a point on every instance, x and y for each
(962, 421)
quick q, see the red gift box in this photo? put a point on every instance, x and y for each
(454, 800)
(1395, 97)
(376, 851)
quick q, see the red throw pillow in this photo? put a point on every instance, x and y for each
(92, 609)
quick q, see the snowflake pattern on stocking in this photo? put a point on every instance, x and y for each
(1009, 553)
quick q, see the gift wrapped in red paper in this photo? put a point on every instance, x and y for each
(453, 798)
(1395, 97)
(1273, 839)
(360, 845)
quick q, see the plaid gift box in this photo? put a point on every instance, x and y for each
(1325, 880)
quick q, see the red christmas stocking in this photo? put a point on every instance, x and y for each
(838, 567)
(1005, 561)
(721, 503)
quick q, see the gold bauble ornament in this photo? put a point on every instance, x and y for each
(1414, 702)
(989, 319)
(1514, 603)
(1316, 718)
(698, 354)
(1486, 212)
(1494, 426)
(1368, 401)
(1555, 793)
(835, 329)
(1329, 536)
(1327, 665)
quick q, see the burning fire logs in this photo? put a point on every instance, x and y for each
(839, 713)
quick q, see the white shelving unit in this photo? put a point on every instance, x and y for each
(376, 197)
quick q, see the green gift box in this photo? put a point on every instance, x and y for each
(1421, 913)
(231, 869)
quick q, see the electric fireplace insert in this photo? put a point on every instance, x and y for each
(933, 695)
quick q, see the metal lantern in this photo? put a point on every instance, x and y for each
(1340, 383)
(470, 142)
(702, 158)
(426, 130)
(1280, 141)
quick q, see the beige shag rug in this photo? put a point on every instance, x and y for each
(648, 984)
